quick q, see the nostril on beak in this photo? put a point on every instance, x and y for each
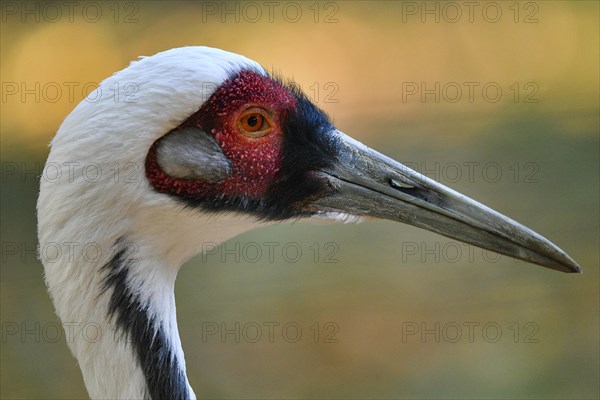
(399, 185)
(410, 190)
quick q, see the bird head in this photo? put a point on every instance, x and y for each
(255, 146)
(213, 132)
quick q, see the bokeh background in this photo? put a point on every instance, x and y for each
(356, 60)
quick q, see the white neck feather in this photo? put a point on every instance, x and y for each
(80, 213)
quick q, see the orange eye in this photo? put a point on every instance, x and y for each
(254, 123)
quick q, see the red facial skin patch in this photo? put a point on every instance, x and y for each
(254, 161)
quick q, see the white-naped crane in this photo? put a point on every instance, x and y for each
(207, 146)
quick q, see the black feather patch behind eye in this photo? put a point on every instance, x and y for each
(308, 146)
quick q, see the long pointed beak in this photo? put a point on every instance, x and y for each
(367, 183)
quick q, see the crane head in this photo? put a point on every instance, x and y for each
(253, 147)
(221, 134)
(259, 146)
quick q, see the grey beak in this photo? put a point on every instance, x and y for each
(367, 183)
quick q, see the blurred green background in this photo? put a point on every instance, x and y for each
(356, 60)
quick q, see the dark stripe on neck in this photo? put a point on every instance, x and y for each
(164, 379)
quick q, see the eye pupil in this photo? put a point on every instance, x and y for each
(252, 120)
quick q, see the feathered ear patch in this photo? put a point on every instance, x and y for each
(191, 153)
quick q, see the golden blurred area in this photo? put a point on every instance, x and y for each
(47, 68)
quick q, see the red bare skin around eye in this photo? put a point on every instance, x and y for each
(254, 161)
